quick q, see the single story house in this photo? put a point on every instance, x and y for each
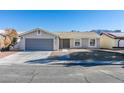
(78, 39)
(112, 40)
(39, 39)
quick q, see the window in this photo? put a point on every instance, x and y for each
(38, 32)
(77, 42)
(92, 42)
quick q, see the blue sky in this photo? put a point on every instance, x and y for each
(62, 20)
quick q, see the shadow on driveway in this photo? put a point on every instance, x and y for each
(86, 59)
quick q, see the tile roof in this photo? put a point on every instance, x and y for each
(77, 34)
(118, 34)
(115, 34)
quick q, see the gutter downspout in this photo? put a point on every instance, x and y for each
(119, 42)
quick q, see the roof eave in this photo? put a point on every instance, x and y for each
(108, 35)
(33, 30)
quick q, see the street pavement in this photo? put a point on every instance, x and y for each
(61, 74)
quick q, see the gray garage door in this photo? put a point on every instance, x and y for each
(39, 44)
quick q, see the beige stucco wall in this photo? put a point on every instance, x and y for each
(42, 35)
(84, 43)
(71, 43)
(116, 42)
(107, 42)
(98, 42)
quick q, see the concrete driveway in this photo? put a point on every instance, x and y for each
(23, 57)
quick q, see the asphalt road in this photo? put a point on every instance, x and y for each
(61, 74)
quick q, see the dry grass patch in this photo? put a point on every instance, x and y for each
(5, 54)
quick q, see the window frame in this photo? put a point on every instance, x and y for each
(75, 40)
(90, 41)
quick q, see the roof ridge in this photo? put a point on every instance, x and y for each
(73, 32)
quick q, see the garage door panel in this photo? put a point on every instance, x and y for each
(39, 44)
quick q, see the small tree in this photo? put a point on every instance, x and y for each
(11, 38)
(14, 41)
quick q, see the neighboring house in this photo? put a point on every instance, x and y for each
(112, 40)
(39, 39)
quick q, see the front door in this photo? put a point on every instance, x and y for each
(66, 43)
